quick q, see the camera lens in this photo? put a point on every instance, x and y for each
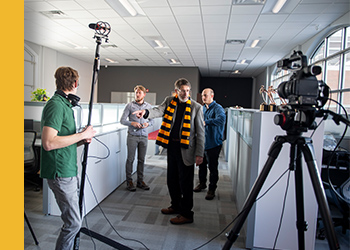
(285, 89)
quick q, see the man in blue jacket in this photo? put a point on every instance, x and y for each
(214, 122)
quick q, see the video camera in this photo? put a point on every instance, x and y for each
(302, 88)
(305, 93)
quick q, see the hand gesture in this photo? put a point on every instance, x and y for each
(139, 113)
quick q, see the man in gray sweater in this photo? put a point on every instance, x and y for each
(137, 137)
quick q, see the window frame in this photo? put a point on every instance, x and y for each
(344, 51)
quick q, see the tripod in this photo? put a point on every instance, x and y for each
(299, 145)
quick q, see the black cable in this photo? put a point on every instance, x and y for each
(87, 226)
(98, 157)
(333, 153)
(317, 126)
(98, 204)
(282, 213)
(222, 231)
(87, 177)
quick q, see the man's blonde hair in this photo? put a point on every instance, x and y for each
(140, 87)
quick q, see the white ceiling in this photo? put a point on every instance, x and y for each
(194, 31)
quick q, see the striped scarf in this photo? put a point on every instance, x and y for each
(164, 131)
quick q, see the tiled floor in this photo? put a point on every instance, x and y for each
(134, 219)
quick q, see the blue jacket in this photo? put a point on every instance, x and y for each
(214, 118)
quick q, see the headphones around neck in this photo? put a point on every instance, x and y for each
(74, 99)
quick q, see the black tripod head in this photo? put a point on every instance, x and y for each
(296, 120)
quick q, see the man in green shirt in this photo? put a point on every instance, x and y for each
(58, 163)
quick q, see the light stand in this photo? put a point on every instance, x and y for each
(299, 145)
(102, 31)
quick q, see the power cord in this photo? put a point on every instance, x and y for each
(282, 213)
(288, 170)
(95, 197)
(222, 231)
(329, 182)
(109, 220)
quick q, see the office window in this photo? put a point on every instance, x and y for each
(278, 76)
(336, 66)
(333, 55)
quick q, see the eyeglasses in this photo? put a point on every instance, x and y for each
(183, 91)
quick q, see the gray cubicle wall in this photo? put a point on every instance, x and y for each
(158, 80)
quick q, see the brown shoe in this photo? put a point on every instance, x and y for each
(210, 195)
(130, 186)
(169, 210)
(199, 187)
(142, 185)
(178, 220)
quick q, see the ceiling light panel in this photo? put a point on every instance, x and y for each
(126, 8)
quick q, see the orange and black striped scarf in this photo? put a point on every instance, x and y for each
(164, 131)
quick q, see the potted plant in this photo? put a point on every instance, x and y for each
(39, 95)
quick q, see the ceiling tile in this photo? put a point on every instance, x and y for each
(195, 31)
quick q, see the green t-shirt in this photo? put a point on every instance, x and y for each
(62, 162)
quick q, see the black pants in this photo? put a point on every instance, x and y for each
(180, 181)
(211, 161)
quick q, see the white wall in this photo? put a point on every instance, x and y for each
(49, 60)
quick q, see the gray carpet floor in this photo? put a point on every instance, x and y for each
(133, 219)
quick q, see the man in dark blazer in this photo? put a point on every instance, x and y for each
(182, 133)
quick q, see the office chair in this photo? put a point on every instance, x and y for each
(31, 167)
(339, 175)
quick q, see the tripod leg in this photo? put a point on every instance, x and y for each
(315, 177)
(299, 197)
(30, 229)
(249, 202)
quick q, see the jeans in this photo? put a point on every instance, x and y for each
(180, 181)
(67, 198)
(211, 161)
(133, 143)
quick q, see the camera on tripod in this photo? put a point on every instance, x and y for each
(302, 88)
(305, 93)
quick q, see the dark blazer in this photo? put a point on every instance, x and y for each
(197, 137)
